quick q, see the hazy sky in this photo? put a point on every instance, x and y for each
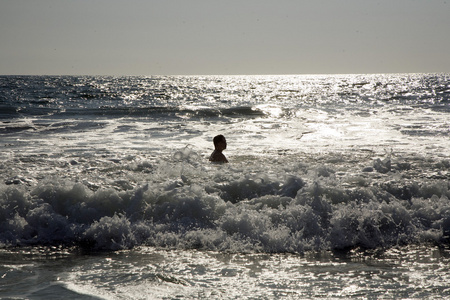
(146, 37)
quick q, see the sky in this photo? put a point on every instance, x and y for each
(209, 37)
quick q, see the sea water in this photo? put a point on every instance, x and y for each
(337, 187)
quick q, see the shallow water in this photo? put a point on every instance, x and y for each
(414, 272)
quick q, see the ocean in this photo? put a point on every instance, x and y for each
(337, 187)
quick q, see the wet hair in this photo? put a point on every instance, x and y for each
(218, 138)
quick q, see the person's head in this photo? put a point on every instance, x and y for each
(220, 143)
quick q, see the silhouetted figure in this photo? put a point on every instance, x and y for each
(220, 144)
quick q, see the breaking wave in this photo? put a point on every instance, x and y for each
(188, 204)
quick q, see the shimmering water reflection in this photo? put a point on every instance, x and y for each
(413, 272)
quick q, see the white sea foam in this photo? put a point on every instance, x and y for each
(187, 203)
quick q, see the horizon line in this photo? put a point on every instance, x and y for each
(260, 74)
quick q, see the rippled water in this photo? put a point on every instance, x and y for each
(146, 273)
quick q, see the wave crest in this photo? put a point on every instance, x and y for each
(252, 213)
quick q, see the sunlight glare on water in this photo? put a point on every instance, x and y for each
(197, 275)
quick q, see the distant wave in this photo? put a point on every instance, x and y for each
(166, 111)
(163, 112)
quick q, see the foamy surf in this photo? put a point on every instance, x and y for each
(313, 203)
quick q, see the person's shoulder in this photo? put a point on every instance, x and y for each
(218, 157)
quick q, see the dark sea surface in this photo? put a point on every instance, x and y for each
(338, 186)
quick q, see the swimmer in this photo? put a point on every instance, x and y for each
(220, 144)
